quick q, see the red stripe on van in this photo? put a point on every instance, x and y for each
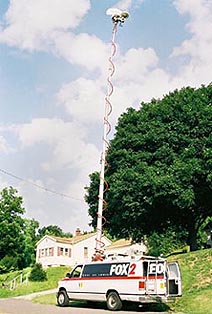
(115, 278)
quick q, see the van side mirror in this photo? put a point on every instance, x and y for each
(68, 275)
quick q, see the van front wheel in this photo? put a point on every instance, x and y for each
(113, 301)
(62, 298)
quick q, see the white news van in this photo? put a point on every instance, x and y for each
(147, 280)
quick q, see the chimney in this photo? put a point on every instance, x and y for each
(77, 232)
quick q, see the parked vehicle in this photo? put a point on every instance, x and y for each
(147, 280)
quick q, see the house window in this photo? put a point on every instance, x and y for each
(61, 251)
(69, 252)
(85, 252)
(51, 251)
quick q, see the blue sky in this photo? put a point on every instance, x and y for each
(53, 69)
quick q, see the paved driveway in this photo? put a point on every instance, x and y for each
(21, 306)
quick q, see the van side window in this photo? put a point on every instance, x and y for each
(145, 265)
(76, 272)
(96, 270)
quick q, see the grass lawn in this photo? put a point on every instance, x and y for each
(46, 299)
(196, 269)
(51, 299)
(54, 274)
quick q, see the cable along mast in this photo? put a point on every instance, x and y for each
(118, 18)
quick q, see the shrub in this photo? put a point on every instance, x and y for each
(37, 273)
(165, 243)
(8, 263)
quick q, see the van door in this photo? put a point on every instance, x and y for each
(74, 283)
(174, 279)
(155, 280)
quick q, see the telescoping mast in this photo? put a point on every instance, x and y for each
(118, 18)
(118, 279)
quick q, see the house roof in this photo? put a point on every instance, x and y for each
(119, 243)
(75, 239)
(72, 240)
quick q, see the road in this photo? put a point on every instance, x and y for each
(20, 306)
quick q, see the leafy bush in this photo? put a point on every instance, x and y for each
(165, 243)
(9, 263)
(37, 273)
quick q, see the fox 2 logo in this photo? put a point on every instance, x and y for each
(123, 269)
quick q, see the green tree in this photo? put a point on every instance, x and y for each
(11, 229)
(166, 243)
(160, 172)
(53, 230)
(30, 238)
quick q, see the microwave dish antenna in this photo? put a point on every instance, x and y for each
(117, 15)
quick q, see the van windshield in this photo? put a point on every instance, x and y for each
(76, 272)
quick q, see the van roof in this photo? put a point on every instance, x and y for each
(126, 260)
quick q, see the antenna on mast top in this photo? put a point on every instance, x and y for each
(118, 18)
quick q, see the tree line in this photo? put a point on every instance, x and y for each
(18, 235)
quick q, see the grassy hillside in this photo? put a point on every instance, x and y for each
(53, 275)
(196, 269)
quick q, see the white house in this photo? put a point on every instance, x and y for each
(56, 251)
(125, 247)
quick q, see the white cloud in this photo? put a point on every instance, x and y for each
(83, 100)
(48, 25)
(29, 24)
(48, 130)
(83, 49)
(5, 147)
(199, 47)
(73, 153)
(124, 4)
(68, 141)
(127, 4)
(135, 64)
(137, 77)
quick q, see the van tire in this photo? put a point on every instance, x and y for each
(62, 298)
(113, 301)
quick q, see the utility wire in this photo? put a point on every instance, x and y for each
(39, 186)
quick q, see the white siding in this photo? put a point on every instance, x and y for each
(52, 253)
(47, 253)
(79, 249)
